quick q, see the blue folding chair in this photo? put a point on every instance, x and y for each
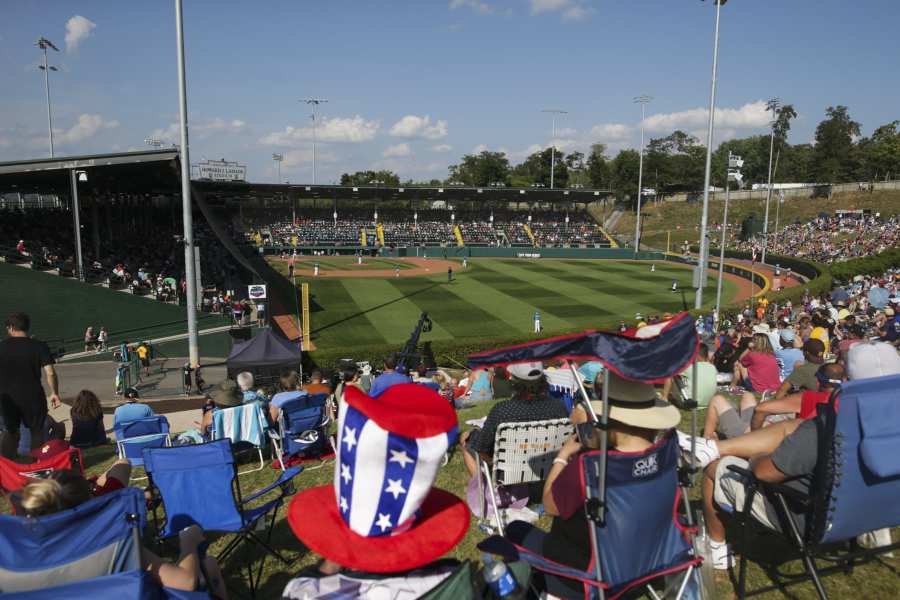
(641, 500)
(92, 550)
(858, 469)
(198, 484)
(133, 436)
(246, 426)
(303, 425)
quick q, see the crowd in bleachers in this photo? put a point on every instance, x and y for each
(828, 239)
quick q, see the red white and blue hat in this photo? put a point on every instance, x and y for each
(382, 514)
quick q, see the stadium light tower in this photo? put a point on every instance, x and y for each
(642, 100)
(704, 242)
(43, 43)
(772, 105)
(554, 112)
(278, 158)
(314, 102)
(186, 216)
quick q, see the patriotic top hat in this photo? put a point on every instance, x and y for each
(382, 515)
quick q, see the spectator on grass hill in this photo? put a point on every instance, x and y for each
(132, 409)
(22, 398)
(787, 355)
(245, 382)
(803, 377)
(756, 369)
(315, 385)
(290, 390)
(87, 421)
(530, 401)
(706, 380)
(226, 395)
(63, 490)
(388, 377)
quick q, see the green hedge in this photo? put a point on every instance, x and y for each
(869, 265)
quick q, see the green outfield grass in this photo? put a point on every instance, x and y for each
(341, 263)
(496, 298)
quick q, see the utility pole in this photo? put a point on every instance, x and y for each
(278, 158)
(553, 112)
(642, 100)
(772, 105)
(704, 242)
(314, 102)
(43, 43)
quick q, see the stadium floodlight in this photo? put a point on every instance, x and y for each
(704, 218)
(772, 105)
(278, 158)
(643, 99)
(554, 112)
(43, 43)
(314, 103)
(732, 173)
(74, 177)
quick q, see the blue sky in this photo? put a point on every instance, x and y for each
(414, 85)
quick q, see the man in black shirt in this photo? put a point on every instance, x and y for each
(22, 398)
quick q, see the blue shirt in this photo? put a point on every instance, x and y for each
(130, 412)
(281, 398)
(590, 370)
(787, 358)
(386, 380)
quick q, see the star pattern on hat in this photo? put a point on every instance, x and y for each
(345, 473)
(349, 438)
(400, 456)
(383, 522)
(344, 506)
(395, 487)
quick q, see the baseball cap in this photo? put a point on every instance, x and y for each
(872, 359)
(787, 335)
(843, 314)
(529, 371)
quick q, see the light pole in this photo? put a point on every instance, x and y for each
(704, 243)
(554, 112)
(43, 43)
(278, 158)
(773, 106)
(186, 216)
(642, 100)
(314, 102)
(732, 171)
(74, 178)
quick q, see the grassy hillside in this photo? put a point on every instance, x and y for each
(683, 219)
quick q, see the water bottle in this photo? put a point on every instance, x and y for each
(702, 549)
(500, 579)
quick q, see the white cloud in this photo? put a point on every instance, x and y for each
(5, 142)
(569, 10)
(397, 151)
(200, 129)
(304, 157)
(752, 115)
(86, 127)
(442, 148)
(610, 132)
(480, 148)
(476, 5)
(354, 130)
(413, 126)
(78, 29)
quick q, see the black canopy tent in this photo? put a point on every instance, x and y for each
(265, 355)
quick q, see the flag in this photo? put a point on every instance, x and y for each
(652, 354)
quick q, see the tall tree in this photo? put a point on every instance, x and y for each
(484, 168)
(674, 163)
(880, 154)
(624, 170)
(834, 156)
(598, 167)
(387, 178)
(537, 168)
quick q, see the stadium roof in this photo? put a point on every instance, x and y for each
(144, 171)
(449, 193)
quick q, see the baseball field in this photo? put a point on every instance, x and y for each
(353, 304)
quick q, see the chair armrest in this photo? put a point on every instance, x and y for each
(780, 488)
(285, 478)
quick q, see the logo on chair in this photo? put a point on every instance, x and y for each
(646, 466)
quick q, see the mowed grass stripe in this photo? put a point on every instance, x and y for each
(337, 318)
(388, 310)
(597, 302)
(455, 313)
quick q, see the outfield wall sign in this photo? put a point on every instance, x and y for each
(256, 292)
(528, 254)
(221, 170)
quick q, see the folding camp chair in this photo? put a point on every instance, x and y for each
(858, 468)
(14, 475)
(133, 436)
(198, 484)
(303, 425)
(92, 550)
(641, 501)
(523, 453)
(245, 426)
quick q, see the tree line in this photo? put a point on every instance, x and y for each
(675, 163)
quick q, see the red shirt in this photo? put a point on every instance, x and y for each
(763, 371)
(810, 400)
